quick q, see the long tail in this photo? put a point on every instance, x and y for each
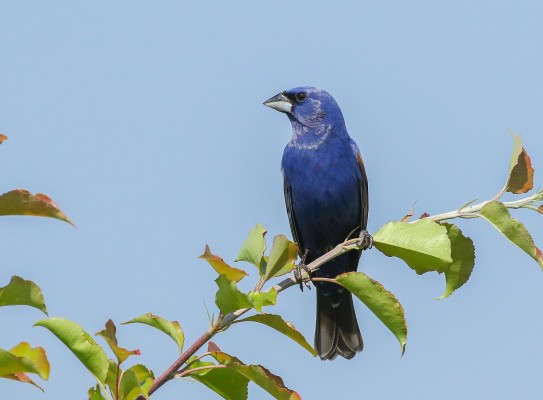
(337, 330)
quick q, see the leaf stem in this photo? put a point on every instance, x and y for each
(193, 361)
(188, 371)
(117, 380)
(104, 390)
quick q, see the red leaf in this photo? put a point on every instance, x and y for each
(22, 202)
(211, 347)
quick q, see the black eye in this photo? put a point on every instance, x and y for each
(300, 97)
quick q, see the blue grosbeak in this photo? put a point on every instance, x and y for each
(326, 194)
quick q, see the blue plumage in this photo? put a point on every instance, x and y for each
(326, 195)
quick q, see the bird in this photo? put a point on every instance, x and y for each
(326, 196)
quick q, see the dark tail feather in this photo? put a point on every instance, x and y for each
(337, 331)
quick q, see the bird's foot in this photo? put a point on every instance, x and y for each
(365, 241)
(298, 273)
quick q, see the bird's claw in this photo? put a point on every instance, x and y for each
(365, 241)
(298, 273)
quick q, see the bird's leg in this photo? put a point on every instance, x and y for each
(298, 272)
(365, 240)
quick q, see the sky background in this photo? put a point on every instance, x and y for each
(145, 123)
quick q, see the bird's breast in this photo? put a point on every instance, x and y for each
(325, 190)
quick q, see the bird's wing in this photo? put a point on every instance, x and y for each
(291, 216)
(364, 200)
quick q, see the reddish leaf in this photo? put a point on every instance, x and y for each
(22, 377)
(110, 336)
(2, 138)
(222, 268)
(22, 202)
(212, 346)
(521, 173)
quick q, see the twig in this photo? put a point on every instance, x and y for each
(171, 371)
(188, 371)
(473, 211)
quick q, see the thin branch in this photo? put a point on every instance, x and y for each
(473, 211)
(193, 361)
(172, 370)
(188, 371)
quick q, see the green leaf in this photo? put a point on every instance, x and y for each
(111, 377)
(261, 299)
(22, 202)
(11, 364)
(135, 381)
(254, 246)
(521, 173)
(95, 393)
(463, 255)
(22, 292)
(423, 245)
(91, 355)
(380, 302)
(286, 328)
(271, 383)
(229, 298)
(222, 268)
(22, 358)
(225, 382)
(35, 357)
(172, 329)
(109, 334)
(282, 253)
(288, 267)
(261, 376)
(498, 215)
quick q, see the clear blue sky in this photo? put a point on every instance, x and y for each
(144, 122)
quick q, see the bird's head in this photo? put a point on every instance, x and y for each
(308, 108)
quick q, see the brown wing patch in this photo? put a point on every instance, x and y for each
(364, 199)
(360, 161)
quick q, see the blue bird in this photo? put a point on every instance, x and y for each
(326, 195)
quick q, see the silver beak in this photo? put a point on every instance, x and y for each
(279, 102)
